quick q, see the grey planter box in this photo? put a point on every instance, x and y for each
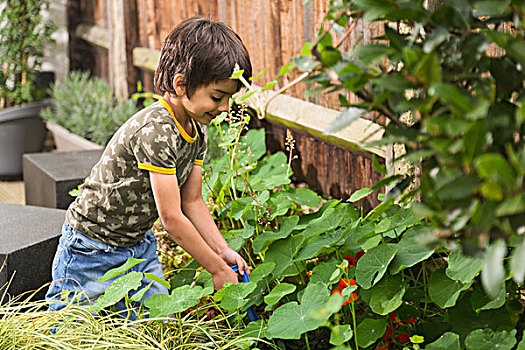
(21, 131)
(28, 241)
(48, 177)
(66, 141)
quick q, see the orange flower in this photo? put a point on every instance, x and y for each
(351, 298)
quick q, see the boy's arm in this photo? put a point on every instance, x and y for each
(195, 209)
(168, 200)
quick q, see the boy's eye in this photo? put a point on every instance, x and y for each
(216, 99)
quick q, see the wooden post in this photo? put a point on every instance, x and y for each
(131, 28)
(117, 49)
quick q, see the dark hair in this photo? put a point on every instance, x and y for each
(204, 51)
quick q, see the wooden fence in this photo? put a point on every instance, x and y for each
(116, 40)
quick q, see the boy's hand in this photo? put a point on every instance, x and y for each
(231, 257)
(224, 275)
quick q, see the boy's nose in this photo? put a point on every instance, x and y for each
(224, 106)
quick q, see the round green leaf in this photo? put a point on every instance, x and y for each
(180, 299)
(487, 339)
(372, 266)
(121, 269)
(235, 294)
(481, 301)
(263, 240)
(282, 253)
(448, 341)
(341, 334)
(387, 295)
(369, 331)
(304, 196)
(278, 292)
(292, 319)
(443, 290)
(462, 268)
(261, 271)
(410, 251)
(118, 290)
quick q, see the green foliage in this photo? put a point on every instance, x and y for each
(23, 34)
(87, 107)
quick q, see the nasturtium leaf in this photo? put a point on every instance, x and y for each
(304, 196)
(448, 341)
(341, 334)
(521, 345)
(517, 263)
(253, 146)
(462, 268)
(157, 279)
(185, 275)
(373, 265)
(360, 194)
(330, 219)
(444, 291)
(323, 272)
(180, 299)
(118, 290)
(120, 270)
(410, 251)
(266, 238)
(487, 339)
(481, 301)
(279, 205)
(371, 243)
(261, 271)
(248, 231)
(234, 297)
(137, 297)
(323, 241)
(278, 292)
(252, 330)
(493, 272)
(369, 331)
(387, 295)
(291, 320)
(240, 206)
(205, 280)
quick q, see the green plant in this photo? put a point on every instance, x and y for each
(23, 34)
(87, 107)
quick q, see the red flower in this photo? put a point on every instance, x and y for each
(411, 320)
(351, 298)
(345, 282)
(403, 337)
(352, 261)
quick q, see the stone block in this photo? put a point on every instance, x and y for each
(48, 177)
(28, 241)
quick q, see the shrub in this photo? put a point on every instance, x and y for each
(87, 107)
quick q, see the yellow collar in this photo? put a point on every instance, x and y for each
(183, 132)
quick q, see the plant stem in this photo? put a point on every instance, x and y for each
(306, 340)
(355, 325)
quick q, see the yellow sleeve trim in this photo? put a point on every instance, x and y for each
(157, 169)
(198, 162)
(183, 132)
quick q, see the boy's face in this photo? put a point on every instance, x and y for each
(208, 101)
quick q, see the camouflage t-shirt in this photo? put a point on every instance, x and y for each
(116, 204)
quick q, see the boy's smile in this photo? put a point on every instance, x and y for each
(204, 105)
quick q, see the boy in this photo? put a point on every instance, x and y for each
(152, 168)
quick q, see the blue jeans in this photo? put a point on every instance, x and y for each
(80, 261)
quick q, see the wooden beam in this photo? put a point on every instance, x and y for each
(146, 58)
(96, 35)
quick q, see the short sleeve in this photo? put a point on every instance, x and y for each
(154, 147)
(199, 160)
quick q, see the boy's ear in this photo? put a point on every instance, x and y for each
(179, 84)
